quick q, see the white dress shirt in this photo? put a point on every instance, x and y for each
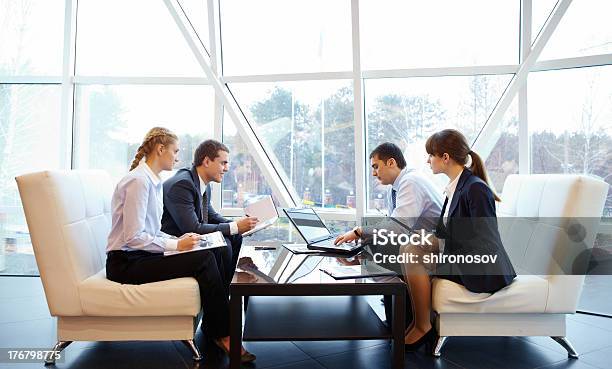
(232, 225)
(416, 199)
(449, 191)
(137, 207)
(417, 205)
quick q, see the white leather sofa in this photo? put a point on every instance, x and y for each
(534, 217)
(68, 215)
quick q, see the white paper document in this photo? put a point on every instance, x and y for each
(207, 242)
(264, 210)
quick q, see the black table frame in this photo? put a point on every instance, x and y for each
(395, 289)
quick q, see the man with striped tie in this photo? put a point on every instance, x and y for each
(413, 203)
(412, 198)
(187, 205)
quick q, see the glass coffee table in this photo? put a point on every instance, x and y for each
(288, 298)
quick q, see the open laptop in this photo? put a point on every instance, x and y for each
(316, 234)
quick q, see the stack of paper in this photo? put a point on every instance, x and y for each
(207, 242)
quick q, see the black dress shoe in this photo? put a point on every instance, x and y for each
(426, 340)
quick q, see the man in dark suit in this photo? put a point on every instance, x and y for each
(187, 204)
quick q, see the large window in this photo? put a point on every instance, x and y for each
(309, 128)
(503, 158)
(289, 63)
(440, 33)
(244, 181)
(31, 135)
(135, 38)
(406, 111)
(584, 29)
(31, 34)
(570, 122)
(285, 36)
(113, 120)
(30, 140)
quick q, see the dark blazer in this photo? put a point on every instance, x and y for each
(183, 206)
(472, 230)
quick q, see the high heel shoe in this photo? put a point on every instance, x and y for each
(426, 340)
(245, 357)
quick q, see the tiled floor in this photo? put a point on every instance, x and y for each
(25, 322)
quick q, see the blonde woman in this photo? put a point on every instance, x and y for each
(136, 244)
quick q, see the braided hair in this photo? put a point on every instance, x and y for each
(155, 136)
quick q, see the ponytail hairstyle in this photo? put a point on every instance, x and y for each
(157, 135)
(454, 143)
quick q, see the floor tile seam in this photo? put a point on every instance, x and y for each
(311, 357)
(341, 352)
(562, 351)
(357, 349)
(580, 354)
(551, 364)
(592, 364)
(26, 320)
(532, 343)
(592, 324)
(371, 347)
(524, 339)
(441, 357)
(593, 351)
(288, 363)
(181, 356)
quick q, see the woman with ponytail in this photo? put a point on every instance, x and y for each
(467, 227)
(136, 245)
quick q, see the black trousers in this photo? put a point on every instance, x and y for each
(138, 267)
(229, 257)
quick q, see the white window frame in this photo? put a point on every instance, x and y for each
(529, 53)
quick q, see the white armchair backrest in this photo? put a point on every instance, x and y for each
(540, 218)
(68, 216)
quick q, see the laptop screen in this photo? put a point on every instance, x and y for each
(308, 223)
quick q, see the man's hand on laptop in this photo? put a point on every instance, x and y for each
(246, 224)
(349, 236)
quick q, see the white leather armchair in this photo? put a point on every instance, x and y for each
(68, 215)
(534, 216)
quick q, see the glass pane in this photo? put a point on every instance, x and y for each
(584, 30)
(302, 123)
(244, 179)
(30, 140)
(406, 111)
(504, 158)
(112, 121)
(197, 12)
(281, 36)
(540, 10)
(412, 34)
(570, 123)
(31, 37)
(142, 40)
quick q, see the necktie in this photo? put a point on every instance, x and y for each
(205, 208)
(393, 199)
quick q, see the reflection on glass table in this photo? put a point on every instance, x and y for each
(281, 266)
